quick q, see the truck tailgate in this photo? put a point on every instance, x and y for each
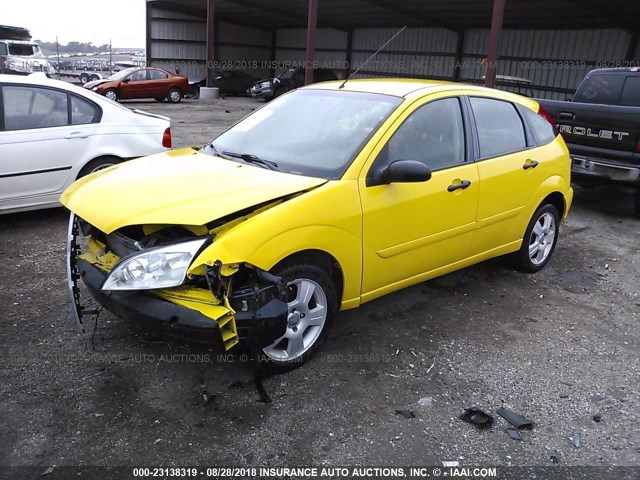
(592, 129)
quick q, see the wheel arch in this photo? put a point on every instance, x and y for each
(81, 171)
(319, 258)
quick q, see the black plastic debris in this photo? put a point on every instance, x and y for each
(406, 413)
(515, 419)
(576, 441)
(204, 394)
(597, 418)
(249, 457)
(477, 417)
(514, 434)
(554, 459)
(262, 392)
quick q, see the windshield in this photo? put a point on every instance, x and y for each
(120, 75)
(316, 133)
(22, 50)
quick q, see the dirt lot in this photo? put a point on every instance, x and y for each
(561, 347)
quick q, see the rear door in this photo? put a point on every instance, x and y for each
(39, 143)
(509, 168)
(158, 84)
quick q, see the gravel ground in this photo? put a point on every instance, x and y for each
(561, 347)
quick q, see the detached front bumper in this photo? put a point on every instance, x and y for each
(168, 319)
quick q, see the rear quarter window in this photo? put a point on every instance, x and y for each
(542, 130)
(500, 128)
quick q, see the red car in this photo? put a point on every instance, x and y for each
(142, 83)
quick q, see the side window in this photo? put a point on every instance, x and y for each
(3, 49)
(82, 111)
(157, 75)
(543, 131)
(138, 76)
(631, 92)
(33, 107)
(433, 135)
(500, 128)
(600, 88)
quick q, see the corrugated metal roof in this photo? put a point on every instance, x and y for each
(449, 14)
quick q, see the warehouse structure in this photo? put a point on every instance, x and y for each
(552, 43)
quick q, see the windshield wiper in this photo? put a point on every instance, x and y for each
(247, 157)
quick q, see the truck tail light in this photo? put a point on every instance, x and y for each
(166, 138)
(543, 113)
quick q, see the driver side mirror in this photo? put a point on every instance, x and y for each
(126, 80)
(402, 171)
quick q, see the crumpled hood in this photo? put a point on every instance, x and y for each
(180, 187)
(90, 85)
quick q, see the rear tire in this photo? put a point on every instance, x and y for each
(98, 164)
(539, 240)
(84, 78)
(313, 303)
(174, 95)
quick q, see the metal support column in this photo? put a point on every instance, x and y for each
(457, 66)
(494, 42)
(210, 43)
(311, 33)
(349, 53)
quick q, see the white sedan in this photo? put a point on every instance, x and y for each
(52, 133)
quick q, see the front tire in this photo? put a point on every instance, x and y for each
(313, 303)
(539, 240)
(111, 94)
(174, 95)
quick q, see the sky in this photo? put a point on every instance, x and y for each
(79, 20)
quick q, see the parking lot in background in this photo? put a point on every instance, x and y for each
(561, 347)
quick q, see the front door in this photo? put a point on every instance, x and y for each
(412, 229)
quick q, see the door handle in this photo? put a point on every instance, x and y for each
(567, 116)
(464, 184)
(529, 164)
(76, 135)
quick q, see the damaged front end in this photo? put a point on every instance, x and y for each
(150, 275)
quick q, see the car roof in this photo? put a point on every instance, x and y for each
(36, 79)
(411, 88)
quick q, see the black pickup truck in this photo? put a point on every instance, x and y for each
(601, 126)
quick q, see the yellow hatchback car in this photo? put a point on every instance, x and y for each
(328, 197)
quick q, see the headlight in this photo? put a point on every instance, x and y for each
(266, 85)
(155, 268)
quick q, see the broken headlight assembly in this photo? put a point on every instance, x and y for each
(162, 267)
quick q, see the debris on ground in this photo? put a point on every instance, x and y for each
(515, 419)
(425, 401)
(477, 417)
(554, 459)
(576, 441)
(264, 396)
(597, 418)
(453, 463)
(48, 471)
(406, 413)
(204, 394)
(248, 456)
(514, 433)
(597, 398)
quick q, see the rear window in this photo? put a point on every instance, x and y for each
(543, 131)
(600, 88)
(500, 128)
(631, 92)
